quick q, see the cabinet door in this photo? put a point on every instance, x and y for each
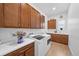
(30, 52)
(1, 15)
(38, 21)
(60, 38)
(33, 19)
(25, 15)
(52, 24)
(22, 54)
(42, 18)
(11, 14)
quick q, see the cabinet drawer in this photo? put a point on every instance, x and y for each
(21, 50)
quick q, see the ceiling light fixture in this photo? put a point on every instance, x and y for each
(54, 8)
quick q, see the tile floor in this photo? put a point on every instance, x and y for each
(58, 49)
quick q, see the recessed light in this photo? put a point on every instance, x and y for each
(54, 8)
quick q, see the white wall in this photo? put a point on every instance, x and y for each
(6, 33)
(62, 23)
(73, 28)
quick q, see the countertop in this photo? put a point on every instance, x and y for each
(9, 47)
(59, 33)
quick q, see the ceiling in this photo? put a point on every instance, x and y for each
(47, 8)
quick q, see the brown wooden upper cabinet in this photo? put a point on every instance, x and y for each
(38, 21)
(52, 24)
(25, 15)
(19, 15)
(1, 15)
(11, 14)
(35, 19)
(42, 21)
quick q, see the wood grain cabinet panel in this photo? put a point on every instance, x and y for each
(30, 52)
(33, 18)
(38, 21)
(42, 18)
(1, 15)
(52, 24)
(19, 15)
(60, 38)
(11, 14)
(25, 15)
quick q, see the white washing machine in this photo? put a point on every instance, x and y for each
(42, 44)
